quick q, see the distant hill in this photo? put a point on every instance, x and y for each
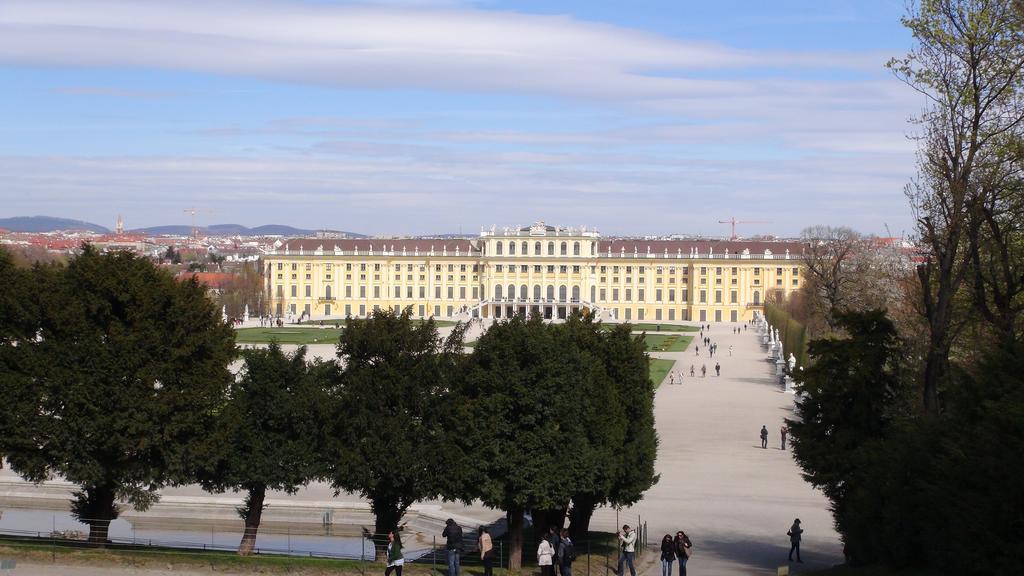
(48, 224)
(238, 230)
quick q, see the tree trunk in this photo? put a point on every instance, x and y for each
(579, 517)
(253, 512)
(515, 539)
(98, 511)
(387, 514)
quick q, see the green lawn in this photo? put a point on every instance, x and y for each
(287, 335)
(655, 327)
(341, 322)
(667, 342)
(659, 369)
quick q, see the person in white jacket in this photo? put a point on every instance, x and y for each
(627, 541)
(545, 553)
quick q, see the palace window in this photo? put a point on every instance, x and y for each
(376, 267)
(575, 248)
(512, 249)
(551, 248)
(551, 269)
(657, 295)
(499, 250)
(309, 291)
(564, 249)
(498, 267)
(796, 271)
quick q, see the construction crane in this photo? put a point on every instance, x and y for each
(734, 222)
(195, 231)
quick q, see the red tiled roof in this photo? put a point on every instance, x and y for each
(397, 245)
(210, 279)
(714, 246)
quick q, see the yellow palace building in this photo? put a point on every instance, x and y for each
(539, 269)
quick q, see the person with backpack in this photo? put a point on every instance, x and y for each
(566, 554)
(453, 533)
(668, 555)
(683, 550)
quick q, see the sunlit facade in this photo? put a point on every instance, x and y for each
(545, 270)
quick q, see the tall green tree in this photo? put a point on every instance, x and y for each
(269, 431)
(617, 405)
(525, 436)
(628, 365)
(18, 322)
(851, 399)
(390, 402)
(116, 384)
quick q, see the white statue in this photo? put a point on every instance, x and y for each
(792, 362)
(224, 313)
(245, 315)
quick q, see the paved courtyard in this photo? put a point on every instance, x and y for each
(734, 499)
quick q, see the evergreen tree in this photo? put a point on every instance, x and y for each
(524, 435)
(389, 407)
(268, 432)
(851, 399)
(116, 383)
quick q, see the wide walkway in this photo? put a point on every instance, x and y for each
(734, 499)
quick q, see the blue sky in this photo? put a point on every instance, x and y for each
(427, 116)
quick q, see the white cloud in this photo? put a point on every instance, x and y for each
(382, 47)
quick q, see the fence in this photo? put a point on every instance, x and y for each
(597, 556)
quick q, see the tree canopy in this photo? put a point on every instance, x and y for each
(115, 382)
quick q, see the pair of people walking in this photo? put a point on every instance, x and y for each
(556, 548)
(675, 549)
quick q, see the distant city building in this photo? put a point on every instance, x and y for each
(544, 270)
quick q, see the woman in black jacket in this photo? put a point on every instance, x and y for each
(668, 555)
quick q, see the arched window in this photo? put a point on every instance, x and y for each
(757, 297)
(551, 248)
(498, 247)
(575, 293)
(511, 248)
(536, 291)
(565, 249)
(561, 293)
(536, 249)
(526, 248)
(497, 292)
(511, 291)
(327, 292)
(551, 292)
(523, 292)
(575, 248)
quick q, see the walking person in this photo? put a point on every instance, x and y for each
(668, 555)
(691, 370)
(566, 554)
(782, 432)
(764, 437)
(671, 378)
(718, 369)
(730, 349)
(553, 538)
(545, 557)
(453, 533)
(486, 551)
(683, 550)
(794, 540)
(627, 543)
(394, 553)
(703, 370)
(696, 350)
